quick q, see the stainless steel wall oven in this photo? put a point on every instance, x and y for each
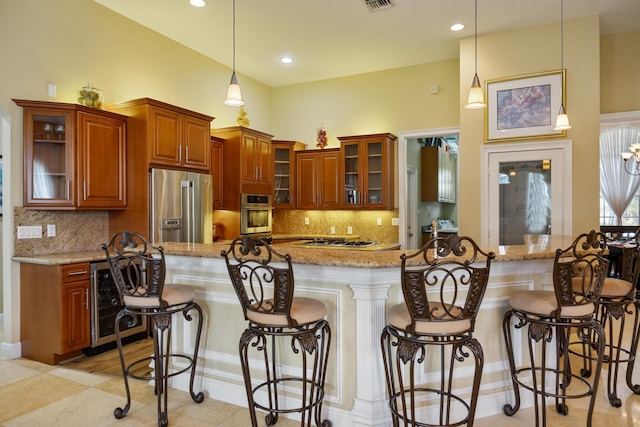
(255, 213)
(105, 305)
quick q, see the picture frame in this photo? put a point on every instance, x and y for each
(524, 107)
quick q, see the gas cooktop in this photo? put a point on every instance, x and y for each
(339, 243)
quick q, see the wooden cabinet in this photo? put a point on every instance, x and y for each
(178, 139)
(318, 179)
(284, 172)
(217, 171)
(439, 175)
(54, 311)
(74, 157)
(163, 136)
(367, 171)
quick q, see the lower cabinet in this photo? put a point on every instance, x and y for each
(54, 311)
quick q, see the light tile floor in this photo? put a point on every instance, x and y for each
(38, 395)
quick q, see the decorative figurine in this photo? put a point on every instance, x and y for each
(242, 119)
(321, 138)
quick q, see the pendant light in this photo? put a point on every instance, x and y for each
(562, 121)
(234, 97)
(476, 95)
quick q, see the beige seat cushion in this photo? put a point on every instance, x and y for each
(543, 303)
(615, 288)
(303, 311)
(172, 294)
(398, 316)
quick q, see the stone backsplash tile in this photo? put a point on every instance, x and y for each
(75, 231)
(363, 223)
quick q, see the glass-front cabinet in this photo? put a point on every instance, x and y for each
(74, 157)
(368, 170)
(284, 173)
(50, 166)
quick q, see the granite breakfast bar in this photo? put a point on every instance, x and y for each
(357, 287)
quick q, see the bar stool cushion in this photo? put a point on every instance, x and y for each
(303, 311)
(399, 317)
(543, 303)
(171, 294)
(615, 288)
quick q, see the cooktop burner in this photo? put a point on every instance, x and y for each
(339, 242)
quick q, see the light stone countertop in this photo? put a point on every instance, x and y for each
(318, 256)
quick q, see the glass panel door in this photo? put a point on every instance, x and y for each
(374, 174)
(351, 173)
(49, 162)
(282, 185)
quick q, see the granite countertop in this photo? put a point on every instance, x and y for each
(317, 256)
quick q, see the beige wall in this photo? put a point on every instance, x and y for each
(386, 101)
(620, 71)
(526, 51)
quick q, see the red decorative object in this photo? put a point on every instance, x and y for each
(322, 138)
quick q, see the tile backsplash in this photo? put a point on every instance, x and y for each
(76, 231)
(363, 223)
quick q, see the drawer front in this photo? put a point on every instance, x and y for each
(75, 272)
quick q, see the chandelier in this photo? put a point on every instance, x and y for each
(632, 168)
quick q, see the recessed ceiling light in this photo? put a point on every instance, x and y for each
(286, 60)
(457, 27)
(197, 3)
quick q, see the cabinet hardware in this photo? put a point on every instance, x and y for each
(186, 153)
(84, 190)
(86, 299)
(68, 190)
(78, 273)
(179, 153)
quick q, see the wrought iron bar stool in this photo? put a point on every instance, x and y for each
(264, 283)
(617, 301)
(578, 277)
(435, 323)
(138, 269)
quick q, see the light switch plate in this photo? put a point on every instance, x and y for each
(29, 232)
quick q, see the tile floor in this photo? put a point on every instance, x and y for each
(34, 394)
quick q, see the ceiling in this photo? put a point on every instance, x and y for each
(335, 38)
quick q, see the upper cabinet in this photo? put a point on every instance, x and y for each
(74, 157)
(284, 172)
(175, 137)
(439, 172)
(251, 151)
(318, 179)
(367, 171)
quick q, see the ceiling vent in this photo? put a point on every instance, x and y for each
(378, 4)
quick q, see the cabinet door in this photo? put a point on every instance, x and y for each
(248, 167)
(75, 326)
(374, 174)
(101, 162)
(49, 158)
(283, 177)
(306, 180)
(217, 172)
(329, 179)
(165, 133)
(196, 141)
(351, 155)
(264, 161)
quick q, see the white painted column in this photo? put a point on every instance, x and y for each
(370, 406)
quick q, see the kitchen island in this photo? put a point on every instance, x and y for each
(357, 287)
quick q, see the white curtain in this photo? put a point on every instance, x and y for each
(616, 185)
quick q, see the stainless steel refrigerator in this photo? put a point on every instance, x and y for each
(181, 206)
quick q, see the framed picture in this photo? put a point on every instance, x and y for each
(524, 107)
(0, 184)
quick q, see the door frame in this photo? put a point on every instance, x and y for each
(566, 180)
(402, 172)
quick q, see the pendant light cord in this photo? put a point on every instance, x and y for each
(234, 36)
(561, 34)
(475, 32)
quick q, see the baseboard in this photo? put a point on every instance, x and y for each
(10, 351)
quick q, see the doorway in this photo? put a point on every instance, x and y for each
(526, 191)
(404, 211)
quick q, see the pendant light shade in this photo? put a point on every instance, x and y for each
(562, 121)
(234, 96)
(476, 95)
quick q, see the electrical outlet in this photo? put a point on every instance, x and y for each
(395, 222)
(379, 221)
(349, 230)
(51, 230)
(306, 220)
(333, 230)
